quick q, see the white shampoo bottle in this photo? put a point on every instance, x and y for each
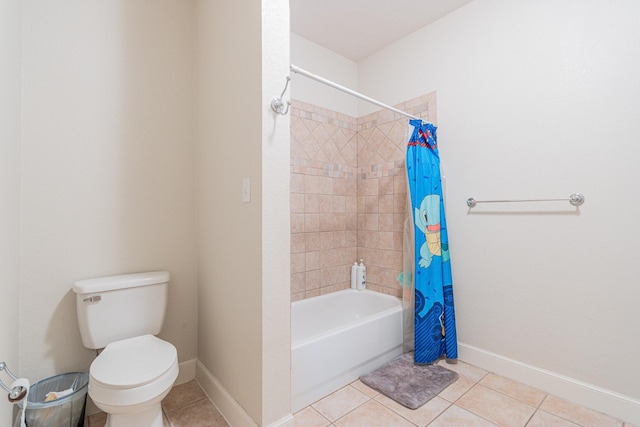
(361, 282)
(354, 275)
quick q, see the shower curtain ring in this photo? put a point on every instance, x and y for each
(277, 103)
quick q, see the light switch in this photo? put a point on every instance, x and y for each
(246, 190)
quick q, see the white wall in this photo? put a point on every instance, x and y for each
(328, 64)
(108, 183)
(276, 244)
(537, 99)
(9, 190)
(244, 334)
(229, 135)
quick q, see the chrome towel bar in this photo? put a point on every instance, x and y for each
(576, 199)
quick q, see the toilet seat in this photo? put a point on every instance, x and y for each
(133, 362)
(133, 371)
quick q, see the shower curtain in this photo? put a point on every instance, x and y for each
(427, 283)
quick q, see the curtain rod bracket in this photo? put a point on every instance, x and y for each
(278, 104)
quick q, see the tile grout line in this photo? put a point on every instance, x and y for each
(344, 415)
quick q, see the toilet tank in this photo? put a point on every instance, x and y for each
(117, 307)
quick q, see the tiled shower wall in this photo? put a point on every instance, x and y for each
(348, 196)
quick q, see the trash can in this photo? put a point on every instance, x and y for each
(63, 407)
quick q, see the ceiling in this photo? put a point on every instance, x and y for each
(357, 28)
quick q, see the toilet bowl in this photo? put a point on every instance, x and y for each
(135, 370)
(130, 378)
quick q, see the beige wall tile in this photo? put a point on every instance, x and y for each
(297, 223)
(312, 280)
(400, 203)
(312, 260)
(298, 243)
(339, 222)
(385, 222)
(311, 222)
(385, 185)
(400, 183)
(386, 203)
(326, 240)
(349, 181)
(297, 203)
(339, 204)
(340, 239)
(371, 222)
(312, 241)
(326, 203)
(351, 204)
(298, 262)
(298, 282)
(311, 203)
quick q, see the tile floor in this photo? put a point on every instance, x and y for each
(477, 398)
(186, 405)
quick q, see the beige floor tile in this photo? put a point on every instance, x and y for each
(372, 414)
(524, 393)
(339, 403)
(496, 407)
(182, 395)
(421, 416)
(98, 420)
(457, 389)
(471, 372)
(309, 417)
(458, 417)
(545, 419)
(199, 414)
(577, 414)
(360, 386)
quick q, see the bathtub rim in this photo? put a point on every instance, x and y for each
(335, 330)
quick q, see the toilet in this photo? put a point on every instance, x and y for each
(136, 370)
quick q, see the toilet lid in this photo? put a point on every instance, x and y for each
(133, 362)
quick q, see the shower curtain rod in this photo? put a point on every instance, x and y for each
(334, 85)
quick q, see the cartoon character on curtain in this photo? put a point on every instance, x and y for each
(427, 220)
(435, 330)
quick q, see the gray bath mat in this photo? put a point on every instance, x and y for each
(409, 384)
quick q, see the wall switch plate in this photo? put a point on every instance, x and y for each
(246, 190)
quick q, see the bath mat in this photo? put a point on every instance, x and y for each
(408, 384)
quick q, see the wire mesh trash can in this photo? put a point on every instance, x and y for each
(55, 402)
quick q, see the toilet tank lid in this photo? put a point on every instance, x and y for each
(122, 281)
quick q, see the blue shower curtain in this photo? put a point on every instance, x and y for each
(434, 319)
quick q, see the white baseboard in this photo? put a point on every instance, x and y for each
(230, 409)
(187, 371)
(284, 422)
(588, 395)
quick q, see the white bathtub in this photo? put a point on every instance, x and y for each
(337, 337)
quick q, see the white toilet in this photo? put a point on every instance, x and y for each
(136, 370)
